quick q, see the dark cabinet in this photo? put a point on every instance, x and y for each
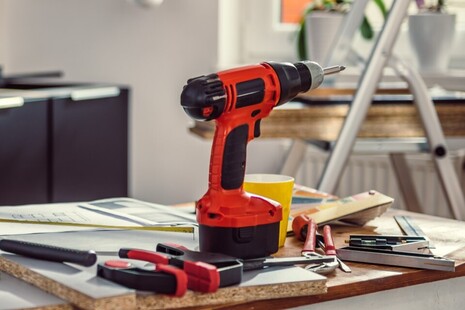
(90, 142)
(67, 147)
(24, 153)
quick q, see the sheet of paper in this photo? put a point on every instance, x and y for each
(139, 212)
(109, 214)
(7, 229)
(49, 213)
(58, 213)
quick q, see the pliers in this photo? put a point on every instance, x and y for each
(304, 225)
(231, 268)
(163, 277)
(309, 249)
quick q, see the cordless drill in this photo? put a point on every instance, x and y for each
(232, 221)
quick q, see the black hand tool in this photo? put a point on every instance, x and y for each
(201, 276)
(48, 252)
(164, 279)
(231, 268)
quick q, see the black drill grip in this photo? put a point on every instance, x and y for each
(49, 253)
(234, 158)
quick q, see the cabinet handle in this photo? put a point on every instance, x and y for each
(11, 102)
(94, 93)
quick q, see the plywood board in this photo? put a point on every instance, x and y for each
(85, 290)
(80, 286)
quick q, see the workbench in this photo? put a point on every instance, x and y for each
(354, 288)
(320, 114)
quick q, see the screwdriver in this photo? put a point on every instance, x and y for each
(299, 227)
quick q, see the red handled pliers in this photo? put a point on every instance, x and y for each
(163, 277)
(309, 249)
(301, 227)
(201, 276)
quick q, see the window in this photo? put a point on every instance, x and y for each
(251, 31)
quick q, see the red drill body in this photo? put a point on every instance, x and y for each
(232, 221)
(226, 204)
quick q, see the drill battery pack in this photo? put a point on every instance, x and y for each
(242, 242)
(242, 225)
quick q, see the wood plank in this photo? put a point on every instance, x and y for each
(323, 122)
(82, 288)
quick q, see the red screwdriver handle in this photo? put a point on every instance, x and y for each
(310, 241)
(299, 226)
(330, 249)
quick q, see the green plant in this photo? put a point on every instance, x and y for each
(341, 6)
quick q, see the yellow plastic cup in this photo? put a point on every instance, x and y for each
(275, 187)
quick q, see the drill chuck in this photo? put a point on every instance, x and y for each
(296, 78)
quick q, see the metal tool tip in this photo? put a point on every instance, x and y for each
(333, 69)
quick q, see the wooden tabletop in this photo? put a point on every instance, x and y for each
(445, 235)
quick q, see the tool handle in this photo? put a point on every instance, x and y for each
(202, 277)
(310, 241)
(299, 226)
(229, 152)
(148, 256)
(48, 252)
(330, 249)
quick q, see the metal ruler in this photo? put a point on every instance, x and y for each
(408, 226)
(411, 250)
(399, 259)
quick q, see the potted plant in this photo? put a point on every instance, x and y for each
(330, 14)
(431, 33)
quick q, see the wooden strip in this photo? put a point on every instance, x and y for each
(323, 122)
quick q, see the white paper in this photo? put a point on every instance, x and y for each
(140, 212)
(110, 213)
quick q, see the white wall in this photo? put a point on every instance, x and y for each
(154, 52)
